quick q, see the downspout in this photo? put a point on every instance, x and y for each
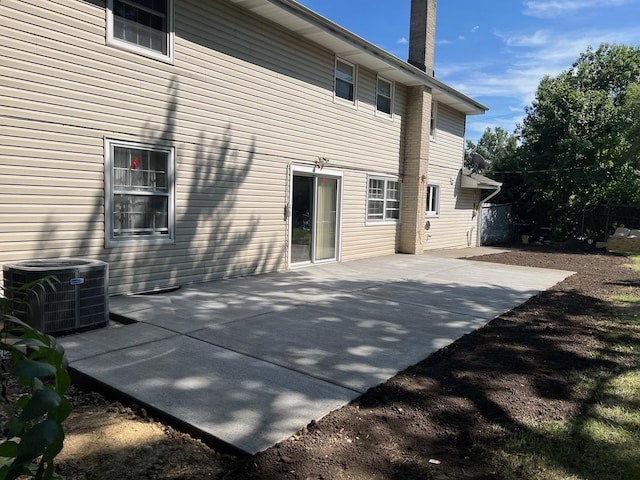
(482, 202)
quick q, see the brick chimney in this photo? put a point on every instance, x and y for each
(422, 34)
(422, 39)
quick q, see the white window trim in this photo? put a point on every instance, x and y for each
(383, 220)
(147, 52)
(110, 239)
(433, 213)
(433, 123)
(336, 98)
(391, 99)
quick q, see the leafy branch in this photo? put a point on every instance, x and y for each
(33, 434)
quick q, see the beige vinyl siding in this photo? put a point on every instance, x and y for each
(242, 102)
(359, 239)
(362, 240)
(456, 224)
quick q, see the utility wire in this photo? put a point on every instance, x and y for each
(548, 170)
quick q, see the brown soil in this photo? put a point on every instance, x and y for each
(425, 423)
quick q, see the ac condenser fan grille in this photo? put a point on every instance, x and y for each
(74, 298)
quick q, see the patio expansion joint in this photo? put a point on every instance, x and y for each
(126, 347)
(276, 364)
(227, 322)
(418, 304)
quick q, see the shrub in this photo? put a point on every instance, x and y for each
(33, 433)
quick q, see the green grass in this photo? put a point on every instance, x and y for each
(634, 258)
(635, 261)
(603, 441)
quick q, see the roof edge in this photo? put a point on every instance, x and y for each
(410, 74)
(470, 179)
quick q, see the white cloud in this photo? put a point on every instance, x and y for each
(537, 38)
(529, 58)
(507, 80)
(556, 8)
(517, 83)
(477, 125)
(504, 72)
(453, 70)
(402, 41)
(461, 38)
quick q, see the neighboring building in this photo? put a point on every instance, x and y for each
(187, 140)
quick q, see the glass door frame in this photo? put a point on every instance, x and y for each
(316, 174)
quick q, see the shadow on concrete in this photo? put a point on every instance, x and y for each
(253, 360)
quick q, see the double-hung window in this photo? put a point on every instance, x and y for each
(433, 200)
(384, 96)
(143, 26)
(383, 199)
(139, 201)
(345, 81)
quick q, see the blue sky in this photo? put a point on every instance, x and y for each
(495, 51)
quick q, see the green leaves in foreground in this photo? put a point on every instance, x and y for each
(34, 434)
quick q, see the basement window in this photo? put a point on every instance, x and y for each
(139, 192)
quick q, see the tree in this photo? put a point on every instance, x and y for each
(496, 146)
(632, 107)
(578, 141)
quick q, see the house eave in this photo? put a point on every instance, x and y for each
(305, 22)
(477, 181)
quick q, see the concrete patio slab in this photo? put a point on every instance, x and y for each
(114, 338)
(252, 360)
(348, 345)
(246, 402)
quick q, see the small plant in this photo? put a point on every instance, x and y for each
(301, 236)
(33, 435)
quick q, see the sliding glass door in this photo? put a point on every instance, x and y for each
(326, 219)
(314, 218)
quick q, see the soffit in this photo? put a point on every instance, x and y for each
(345, 44)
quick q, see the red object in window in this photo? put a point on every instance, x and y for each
(134, 163)
(323, 180)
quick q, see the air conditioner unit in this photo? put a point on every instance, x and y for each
(75, 299)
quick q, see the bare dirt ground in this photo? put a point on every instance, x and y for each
(425, 423)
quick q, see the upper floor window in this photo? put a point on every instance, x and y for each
(139, 193)
(384, 96)
(383, 199)
(433, 200)
(345, 81)
(434, 120)
(143, 26)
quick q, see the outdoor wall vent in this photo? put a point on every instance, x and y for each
(75, 297)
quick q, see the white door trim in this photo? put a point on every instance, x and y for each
(316, 173)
